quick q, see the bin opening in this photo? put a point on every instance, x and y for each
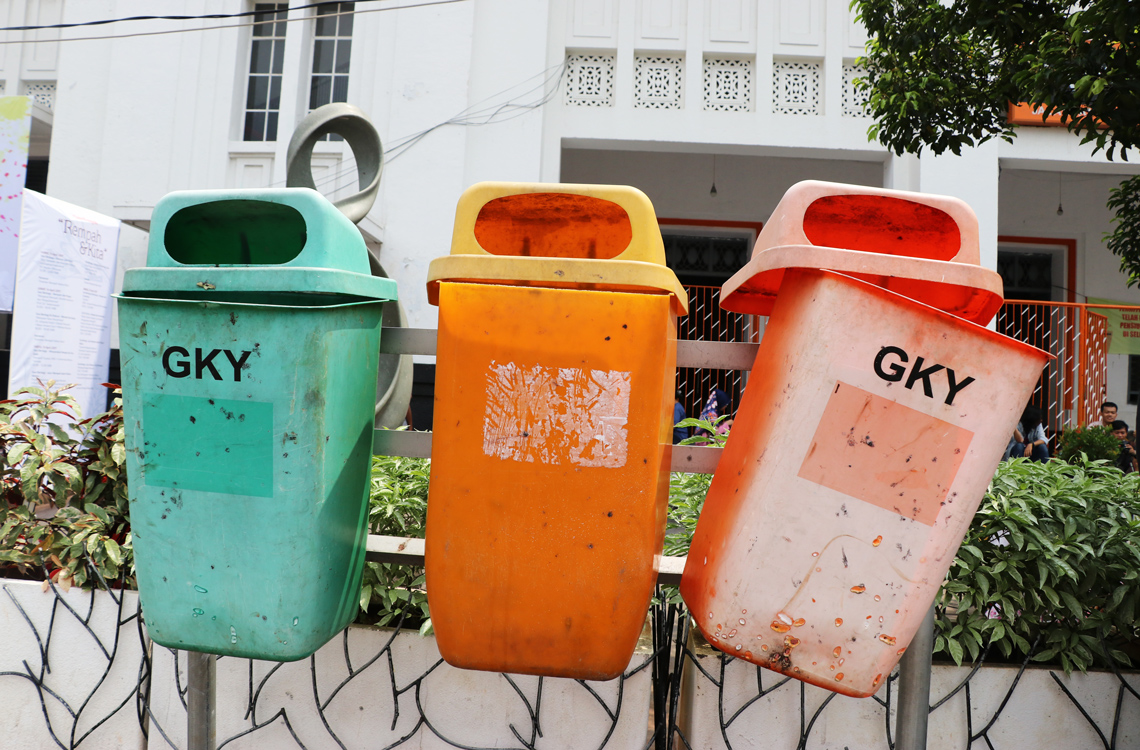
(881, 224)
(553, 225)
(235, 232)
(275, 299)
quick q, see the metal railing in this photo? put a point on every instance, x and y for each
(707, 322)
(1075, 383)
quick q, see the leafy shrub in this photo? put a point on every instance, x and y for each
(687, 492)
(1050, 567)
(397, 507)
(65, 512)
(1097, 443)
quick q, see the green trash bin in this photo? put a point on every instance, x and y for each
(249, 347)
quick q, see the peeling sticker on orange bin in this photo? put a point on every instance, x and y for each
(556, 415)
(884, 453)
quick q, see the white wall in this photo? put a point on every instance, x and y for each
(748, 187)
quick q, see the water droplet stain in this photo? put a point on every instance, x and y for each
(296, 620)
(887, 639)
(784, 617)
(201, 589)
(858, 589)
(742, 621)
(878, 678)
(878, 540)
(837, 651)
(780, 627)
(878, 598)
(838, 621)
(738, 647)
(763, 646)
(197, 612)
(839, 677)
(799, 622)
(233, 634)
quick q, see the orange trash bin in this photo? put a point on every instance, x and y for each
(551, 446)
(865, 438)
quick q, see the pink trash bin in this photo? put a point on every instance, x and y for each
(865, 438)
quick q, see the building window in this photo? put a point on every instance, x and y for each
(332, 48)
(266, 59)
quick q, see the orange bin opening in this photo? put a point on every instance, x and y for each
(881, 224)
(553, 225)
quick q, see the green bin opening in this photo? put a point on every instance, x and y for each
(235, 232)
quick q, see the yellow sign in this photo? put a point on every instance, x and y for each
(1123, 325)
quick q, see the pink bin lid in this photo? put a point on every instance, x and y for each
(921, 246)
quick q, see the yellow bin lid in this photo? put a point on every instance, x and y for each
(918, 245)
(602, 237)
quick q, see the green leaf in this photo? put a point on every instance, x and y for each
(16, 452)
(114, 553)
(955, 650)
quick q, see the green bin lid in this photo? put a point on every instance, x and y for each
(217, 243)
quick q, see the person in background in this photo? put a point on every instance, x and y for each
(1029, 438)
(1126, 459)
(718, 405)
(1107, 415)
(679, 433)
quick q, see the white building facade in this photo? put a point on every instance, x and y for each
(675, 97)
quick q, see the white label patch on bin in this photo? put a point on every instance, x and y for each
(556, 415)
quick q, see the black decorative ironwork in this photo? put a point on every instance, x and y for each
(673, 663)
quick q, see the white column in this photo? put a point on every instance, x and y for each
(972, 177)
(508, 65)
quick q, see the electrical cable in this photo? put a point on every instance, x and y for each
(475, 115)
(224, 26)
(203, 17)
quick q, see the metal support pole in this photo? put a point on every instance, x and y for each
(201, 691)
(914, 688)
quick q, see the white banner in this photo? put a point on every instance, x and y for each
(61, 320)
(15, 130)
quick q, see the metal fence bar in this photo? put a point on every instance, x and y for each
(914, 688)
(201, 700)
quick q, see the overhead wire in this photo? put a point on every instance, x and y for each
(476, 115)
(227, 26)
(191, 17)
